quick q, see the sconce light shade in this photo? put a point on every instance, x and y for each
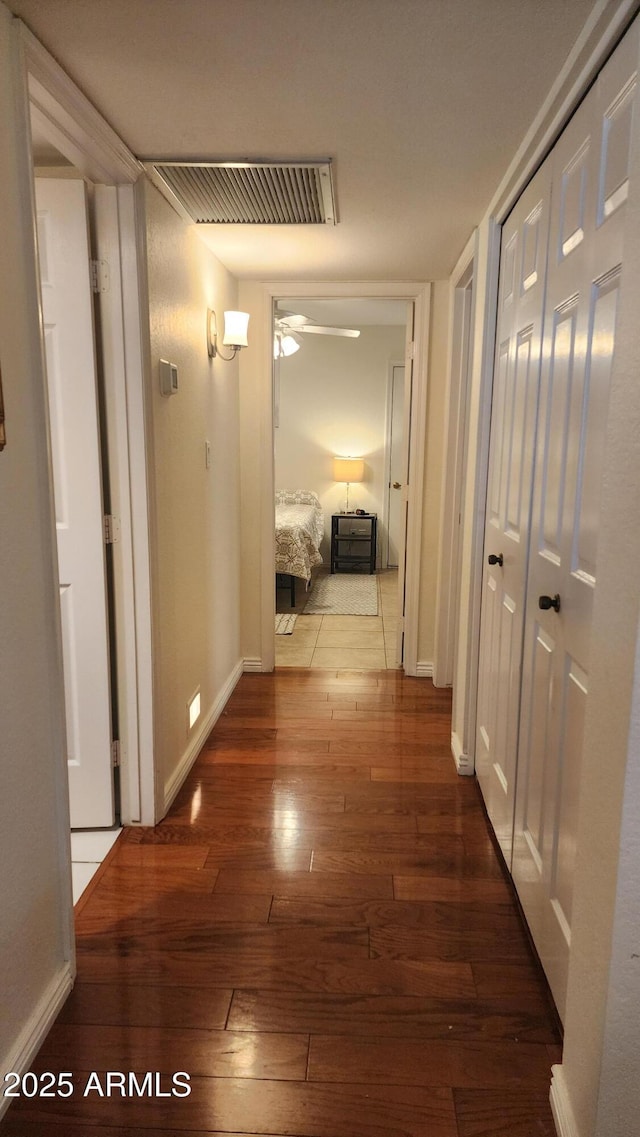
(348, 469)
(235, 329)
(235, 333)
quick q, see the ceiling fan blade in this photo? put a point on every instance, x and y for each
(291, 320)
(321, 330)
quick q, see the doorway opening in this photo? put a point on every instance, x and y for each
(339, 413)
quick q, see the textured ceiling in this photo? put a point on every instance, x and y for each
(420, 104)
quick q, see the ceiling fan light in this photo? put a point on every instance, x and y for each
(289, 346)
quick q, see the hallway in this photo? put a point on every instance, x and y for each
(319, 934)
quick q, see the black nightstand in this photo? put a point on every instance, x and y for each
(353, 542)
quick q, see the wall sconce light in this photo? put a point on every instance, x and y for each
(348, 470)
(235, 333)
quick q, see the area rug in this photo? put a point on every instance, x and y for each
(285, 623)
(342, 595)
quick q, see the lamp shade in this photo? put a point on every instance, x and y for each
(235, 329)
(348, 469)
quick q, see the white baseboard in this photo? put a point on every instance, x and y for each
(464, 763)
(424, 669)
(252, 665)
(561, 1106)
(198, 740)
(38, 1024)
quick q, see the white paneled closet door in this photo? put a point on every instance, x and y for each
(513, 423)
(590, 168)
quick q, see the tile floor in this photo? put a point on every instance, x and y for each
(362, 642)
(88, 850)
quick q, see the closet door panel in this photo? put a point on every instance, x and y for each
(589, 190)
(514, 411)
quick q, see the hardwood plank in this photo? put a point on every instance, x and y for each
(406, 864)
(240, 744)
(379, 751)
(204, 1008)
(399, 915)
(279, 858)
(407, 1061)
(458, 1016)
(147, 856)
(456, 933)
(306, 883)
(109, 904)
(266, 1107)
(251, 799)
(343, 970)
(511, 980)
(452, 889)
(443, 771)
(252, 942)
(207, 1053)
(15, 1125)
(513, 1112)
(156, 879)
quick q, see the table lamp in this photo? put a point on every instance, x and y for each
(348, 470)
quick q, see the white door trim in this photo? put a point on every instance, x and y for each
(418, 293)
(486, 270)
(459, 364)
(74, 126)
(386, 512)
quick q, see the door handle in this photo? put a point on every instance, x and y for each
(546, 602)
(495, 560)
(397, 485)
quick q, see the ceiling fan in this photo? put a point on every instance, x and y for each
(289, 325)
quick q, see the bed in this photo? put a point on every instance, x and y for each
(299, 532)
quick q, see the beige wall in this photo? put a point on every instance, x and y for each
(195, 510)
(436, 432)
(35, 899)
(333, 400)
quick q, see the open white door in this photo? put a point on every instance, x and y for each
(402, 505)
(63, 245)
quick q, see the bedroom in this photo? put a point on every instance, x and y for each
(339, 396)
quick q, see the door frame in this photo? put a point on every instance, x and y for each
(386, 512)
(419, 294)
(74, 127)
(460, 361)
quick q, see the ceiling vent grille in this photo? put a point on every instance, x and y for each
(248, 193)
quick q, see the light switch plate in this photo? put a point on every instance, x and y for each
(168, 377)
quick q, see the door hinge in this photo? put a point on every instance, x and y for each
(115, 752)
(411, 351)
(111, 529)
(99, 276)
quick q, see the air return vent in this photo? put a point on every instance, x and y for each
(248, 193)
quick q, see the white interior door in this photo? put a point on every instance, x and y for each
(404, 455)
(396, 467)
(514, 410)
(590, 185)
(63, 245)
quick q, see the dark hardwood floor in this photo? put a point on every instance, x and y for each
(320, 934)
